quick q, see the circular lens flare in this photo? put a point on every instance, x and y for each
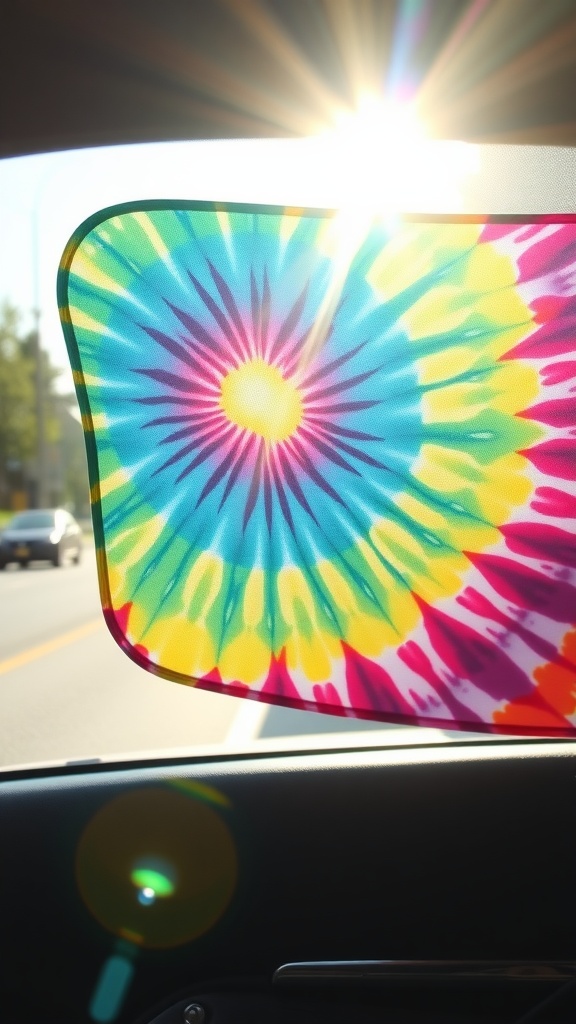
(156, 867)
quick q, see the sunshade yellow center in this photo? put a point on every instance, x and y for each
(257, 397)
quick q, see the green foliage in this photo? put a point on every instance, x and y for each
(17, 396)
(72, 452)
(66, 477)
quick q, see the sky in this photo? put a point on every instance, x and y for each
(43, 199)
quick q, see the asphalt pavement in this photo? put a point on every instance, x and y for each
(68, 693)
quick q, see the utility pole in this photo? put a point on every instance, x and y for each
(42, 481)
(40, 496)
(40, 499)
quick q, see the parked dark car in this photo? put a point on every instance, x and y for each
(49, 534)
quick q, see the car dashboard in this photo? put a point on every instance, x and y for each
(455, 862)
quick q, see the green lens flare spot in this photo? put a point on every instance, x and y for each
(149, 880)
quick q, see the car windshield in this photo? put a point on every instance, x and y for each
(32, 520)
(68, 693)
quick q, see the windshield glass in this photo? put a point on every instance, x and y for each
(32, 520)
(67, 692)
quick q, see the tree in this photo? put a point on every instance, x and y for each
(72, 457)
(18, 421)
(17, 418)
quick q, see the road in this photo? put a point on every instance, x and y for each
(67, 692)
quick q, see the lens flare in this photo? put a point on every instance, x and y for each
(157, 867)
(384, 162)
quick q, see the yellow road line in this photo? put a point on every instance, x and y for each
(33, 653)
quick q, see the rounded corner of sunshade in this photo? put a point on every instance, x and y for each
(335, 472)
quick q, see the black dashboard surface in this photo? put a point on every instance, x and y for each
(460, 852)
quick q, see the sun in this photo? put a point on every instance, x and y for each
(384, 161)
(257, 397)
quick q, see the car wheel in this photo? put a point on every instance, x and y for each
(57, 558)
(24, 564)
(77, 557)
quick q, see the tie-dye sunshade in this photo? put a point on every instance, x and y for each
(335, 472)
